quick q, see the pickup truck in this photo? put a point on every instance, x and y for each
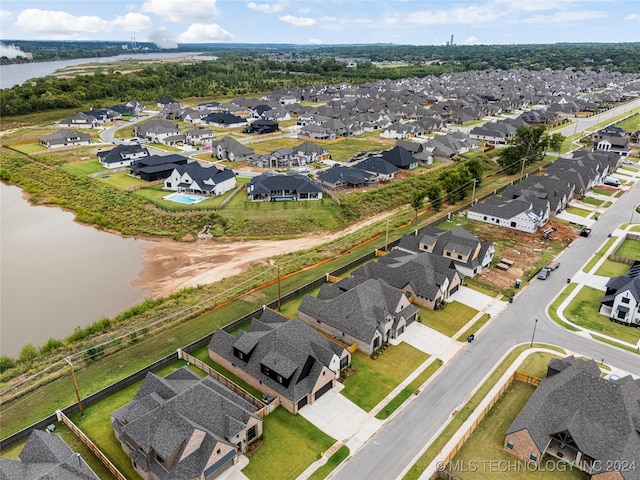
(585, 232)
(553, 265)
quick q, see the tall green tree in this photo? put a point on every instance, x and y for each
(435, 195)
(417, 201)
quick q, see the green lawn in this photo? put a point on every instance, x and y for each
(155, 195)
(629, 249)
(84, 168)
(448, 321)
(600, 191)
(612, 269)
(290, 308)
(553, 308)
(481, 287)
(486, 443)
(268, 146)
(291, 444)
(475, 327)
(121, 180)
(536, 364)
(336, 459)
(583, 311)
(592, 201)
(598, 255)
(629, 168)
(374, 379)
(409, 390)
(578, 211)
(28, 148)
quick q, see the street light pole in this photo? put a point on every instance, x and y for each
(75, 384)
(386, 241)
(633, 210)
(534, 331)
(279, 297)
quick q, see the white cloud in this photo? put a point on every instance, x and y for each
(180, 11)
(203, 33)
(304, 10)
(633, 16)
(565, 17)
(4, 14)
(266, 7)
(63, 25)
(471, 14)
(470, 41)
(298, 21)
(315, 41)
(133, 22)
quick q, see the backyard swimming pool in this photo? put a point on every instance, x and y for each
(184, 198)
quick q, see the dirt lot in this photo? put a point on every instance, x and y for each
(524, 249)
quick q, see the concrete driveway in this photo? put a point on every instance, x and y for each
(430, 341)
(472, 298)
(336, 415)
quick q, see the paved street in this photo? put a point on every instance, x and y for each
(397, 445)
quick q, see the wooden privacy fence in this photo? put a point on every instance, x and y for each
(87, 441)
(516, 376)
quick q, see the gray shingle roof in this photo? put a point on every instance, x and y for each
(46, 456)
(285, 346)
(602, 416)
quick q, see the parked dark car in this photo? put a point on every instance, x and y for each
(585, 232)
(544, 273)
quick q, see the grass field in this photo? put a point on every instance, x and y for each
(155, 194)
(553, 308)
(84, 168)
(486, 442)
(578, 211)
(600, 191)
(592, 201)
(629, 249)
(583, 311)
(121, 180)
(598, 255)
(477, 325)
(374, 379)
(448, 321)
(28, 148)
(336, 459)
(291, 444)
(612, 269)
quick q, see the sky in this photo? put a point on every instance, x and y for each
(305, 22)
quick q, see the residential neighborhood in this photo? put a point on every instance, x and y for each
(359, 342)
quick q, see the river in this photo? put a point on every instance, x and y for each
(19, 73)
(57, 274)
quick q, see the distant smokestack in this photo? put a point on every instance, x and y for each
(451, 43)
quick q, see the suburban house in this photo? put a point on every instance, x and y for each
(195, 178)
(580, 418)
(378, 166)
(122, 155)
(621, 302)
(368, 312)
(156, 167)
(400, 157)
(184, 426)
(428, 279)
(198, 136)
(46, 456)
(156, 130)
(275, 187)
(339, 176)
(282, 358)
(261, 127)
(65, 138)
(79, 120)
(613, 143)
(518, 213)
(558, 191)
(468, 253)
(310, 152)
(228, 148)
(164, 101)
(224, 120)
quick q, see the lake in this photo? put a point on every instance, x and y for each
(57, 274)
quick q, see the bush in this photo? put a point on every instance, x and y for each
(6, 363)
(28, 353)
(51, 345)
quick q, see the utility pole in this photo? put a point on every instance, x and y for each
(75, 384)
(279, 297)
(534, 331)
(386, 241)
(473, 193)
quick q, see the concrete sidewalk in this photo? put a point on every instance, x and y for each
(589, 278)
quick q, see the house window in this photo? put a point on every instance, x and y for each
(621, 314)
(448, 254)
(533, 456)
(160, 459)
(510, 444)
(218, 452)
(624, 300)
(513, 224)
(376, 342)
(279, 379)
(251, 433)
(459, 257)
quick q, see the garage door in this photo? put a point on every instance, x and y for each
(454, 290)
(302, 402)
(322, 390)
